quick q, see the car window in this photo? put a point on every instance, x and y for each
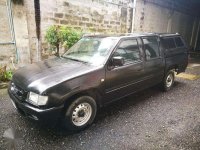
(151, 47)
(92, 50)
(129, 50)
(168, 43)
(179, 42)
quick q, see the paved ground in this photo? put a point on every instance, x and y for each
(148, 120)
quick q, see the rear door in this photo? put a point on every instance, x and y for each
(123, 80)
(183, 54)
(176, 53)
(154, 62)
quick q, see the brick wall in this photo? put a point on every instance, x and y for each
(86, 15)
(94, 16)
(89, 16)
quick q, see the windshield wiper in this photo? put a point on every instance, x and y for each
(74, 59)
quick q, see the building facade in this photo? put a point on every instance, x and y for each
(18, 40)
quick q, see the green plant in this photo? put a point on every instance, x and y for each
(62, 36)
(69, 36)
(5, 75)
(53, 38)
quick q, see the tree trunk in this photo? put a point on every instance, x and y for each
(57, 48)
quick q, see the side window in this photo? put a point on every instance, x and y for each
(179, 42)
(129, 50)
(168, 43)
(151, 47)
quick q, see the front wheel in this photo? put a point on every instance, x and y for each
(80, 114)
(168, 80)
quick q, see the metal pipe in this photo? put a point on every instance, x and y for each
(10, 15)
(37, 49)
(6, 43)
(133, 16)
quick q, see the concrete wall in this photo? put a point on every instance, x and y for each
(93, 16)
(6, 51)
(30, 14)
(21, 33)
(151, 16)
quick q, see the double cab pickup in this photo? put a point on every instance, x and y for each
(96, 71)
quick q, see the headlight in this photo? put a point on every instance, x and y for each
(37, 99)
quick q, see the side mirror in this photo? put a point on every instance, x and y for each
(118, 61)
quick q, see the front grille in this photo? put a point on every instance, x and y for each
(18, 92)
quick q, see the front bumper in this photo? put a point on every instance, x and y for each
(50, 114)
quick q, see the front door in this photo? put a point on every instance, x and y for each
(126, 79)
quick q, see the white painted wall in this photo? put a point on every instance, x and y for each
(153, 18)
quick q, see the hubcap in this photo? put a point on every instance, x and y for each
(169, 80)
(81, 114)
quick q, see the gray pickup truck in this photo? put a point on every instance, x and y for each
(96, 71)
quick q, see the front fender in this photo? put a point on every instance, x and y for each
(89, 84)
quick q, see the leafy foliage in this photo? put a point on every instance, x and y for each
(69, 36)
(62, 36)
(5, 75)
(52, 36)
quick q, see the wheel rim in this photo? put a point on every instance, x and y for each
(81, 114)
(169, 80)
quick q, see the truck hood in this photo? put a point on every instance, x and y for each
(40, 76)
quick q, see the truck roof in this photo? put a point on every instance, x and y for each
(122, 35)
(168, 34)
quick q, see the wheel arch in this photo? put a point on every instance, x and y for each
(172, 67)
(91, 92)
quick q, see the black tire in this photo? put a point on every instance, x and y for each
(168, 81)
(79, 109)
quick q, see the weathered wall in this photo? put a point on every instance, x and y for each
(196, 35)
(6, 51)
(93, 16)
(163, 16)
(30, 14)
(21, 33)
(88, 15)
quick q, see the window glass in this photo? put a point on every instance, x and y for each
(93, 50)
(168, 43)
(151, 47)
(179, 42)
(129, 50)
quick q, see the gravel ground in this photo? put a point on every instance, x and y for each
(148, 120)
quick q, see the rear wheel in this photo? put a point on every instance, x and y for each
(80, 114)
(168, 80)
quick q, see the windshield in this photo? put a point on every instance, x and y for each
(93, 50)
